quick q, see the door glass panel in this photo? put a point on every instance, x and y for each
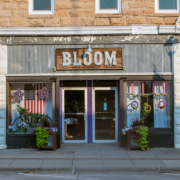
(74, 101)
(105, 114)
(74, 115)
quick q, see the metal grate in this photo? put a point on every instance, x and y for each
(29, 90)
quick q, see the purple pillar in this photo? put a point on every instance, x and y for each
(89, 110)
(118, 109)
(60, 109)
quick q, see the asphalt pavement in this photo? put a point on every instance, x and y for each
(90, 157)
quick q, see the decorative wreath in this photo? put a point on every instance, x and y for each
(164, 105)
(147, 107)
(132, 105)
(17, 95)
(44, 93)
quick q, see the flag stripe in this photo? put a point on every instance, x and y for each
(38, 105)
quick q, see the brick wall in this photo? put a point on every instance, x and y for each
(82, 13)
(3, 70)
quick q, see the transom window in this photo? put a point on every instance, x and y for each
(41, 6)
(108, 6)
(167, 6)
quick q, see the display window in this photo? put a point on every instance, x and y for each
(29, 105)
(150, 102)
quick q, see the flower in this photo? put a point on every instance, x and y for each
(126, 129)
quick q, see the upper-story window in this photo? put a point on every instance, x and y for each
(41, 6)
(167, 6)
(108, 6)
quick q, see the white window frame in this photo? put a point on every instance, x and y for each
(32, 11)
(157, 10)
(98, 10)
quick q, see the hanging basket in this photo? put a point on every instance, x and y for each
(161, 107)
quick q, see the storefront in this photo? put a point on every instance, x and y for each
(92, 96)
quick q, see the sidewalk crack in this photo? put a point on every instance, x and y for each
(12, 162)
(153, 153)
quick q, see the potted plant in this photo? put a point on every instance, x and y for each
(46, 136)
(136, 136)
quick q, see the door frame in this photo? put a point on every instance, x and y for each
(63, 115)
(116, 114)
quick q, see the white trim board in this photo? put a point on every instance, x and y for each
(47, 31)
(90, 30)
(90, 74)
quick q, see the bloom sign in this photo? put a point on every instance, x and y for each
(69, 59)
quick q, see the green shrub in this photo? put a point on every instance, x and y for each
(42, 135)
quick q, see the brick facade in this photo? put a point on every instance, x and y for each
(82, 13)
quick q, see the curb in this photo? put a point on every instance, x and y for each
(98, 169)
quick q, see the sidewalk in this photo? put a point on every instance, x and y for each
(96, 157)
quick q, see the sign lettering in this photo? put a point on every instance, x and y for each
(80, 59)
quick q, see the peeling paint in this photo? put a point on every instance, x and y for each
(128, 38)
(87, 39)
(9, 41)
(62, 39)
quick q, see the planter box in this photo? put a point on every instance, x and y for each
(131, 144)
(52, 142)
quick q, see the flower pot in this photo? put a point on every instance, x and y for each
(131, 144)
(52, 142)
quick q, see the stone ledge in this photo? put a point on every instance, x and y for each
(3, 146)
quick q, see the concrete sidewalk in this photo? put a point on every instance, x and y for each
(96, 157)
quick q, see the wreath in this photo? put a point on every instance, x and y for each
(133, 106)
(147, 107)
(161, 107)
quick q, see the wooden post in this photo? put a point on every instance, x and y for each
(53, 98)
(123, 109)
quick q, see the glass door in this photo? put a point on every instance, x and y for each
(74, 115)
(105, 115)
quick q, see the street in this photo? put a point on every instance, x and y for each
(89, 175)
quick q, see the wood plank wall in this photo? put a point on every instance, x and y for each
(147, 58)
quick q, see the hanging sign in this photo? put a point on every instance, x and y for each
(105, 107)
(70, 59)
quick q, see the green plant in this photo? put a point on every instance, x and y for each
(42, 136)
(23, 112)
(140, 134)
(136, 122)
(144, 114)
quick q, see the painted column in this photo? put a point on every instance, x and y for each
(3, 71)
(60, 109)
(89, 111)
(176, 68)
(53, 99)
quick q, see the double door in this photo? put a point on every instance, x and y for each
(104, 113)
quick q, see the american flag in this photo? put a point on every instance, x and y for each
(36, 104)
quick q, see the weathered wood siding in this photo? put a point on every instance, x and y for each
(142, 58)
